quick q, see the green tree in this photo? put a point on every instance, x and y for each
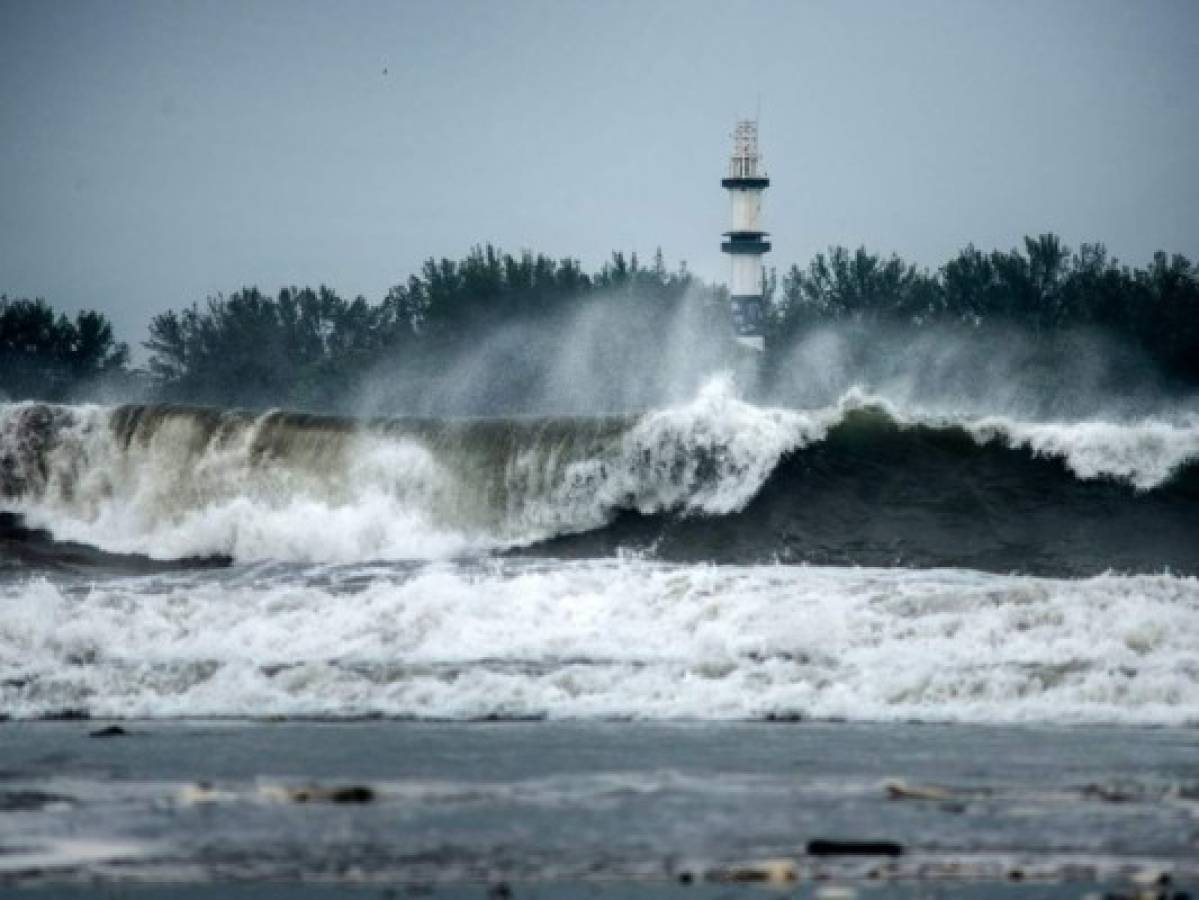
(45, 355)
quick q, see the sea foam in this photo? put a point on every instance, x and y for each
(607, 638)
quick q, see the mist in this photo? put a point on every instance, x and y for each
(610, 357)
(607, 355)
(956, 372)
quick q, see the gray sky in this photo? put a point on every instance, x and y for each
(154, 153)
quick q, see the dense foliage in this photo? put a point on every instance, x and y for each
(307, 347)
(46, 355)
(1044, 291)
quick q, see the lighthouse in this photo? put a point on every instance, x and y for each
(746, 243)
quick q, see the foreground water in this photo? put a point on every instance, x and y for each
(568, 808)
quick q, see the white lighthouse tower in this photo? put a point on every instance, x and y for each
(746, 243)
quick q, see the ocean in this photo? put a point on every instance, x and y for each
(688, 649)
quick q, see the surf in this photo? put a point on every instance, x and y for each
(603, 639)
(861, 481)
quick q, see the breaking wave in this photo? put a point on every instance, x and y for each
(462, 569)
(717, 479)
(622, 638)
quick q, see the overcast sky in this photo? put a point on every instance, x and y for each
(154, 153)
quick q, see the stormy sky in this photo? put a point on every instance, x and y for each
(153, 153)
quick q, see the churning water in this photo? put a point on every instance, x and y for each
(715, 559)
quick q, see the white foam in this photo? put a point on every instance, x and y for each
(1144, 453)
(370, 499)
(615, 638)
(740, 444)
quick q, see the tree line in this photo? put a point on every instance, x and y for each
(307, 347)
(44, 354)
(1044, 290)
